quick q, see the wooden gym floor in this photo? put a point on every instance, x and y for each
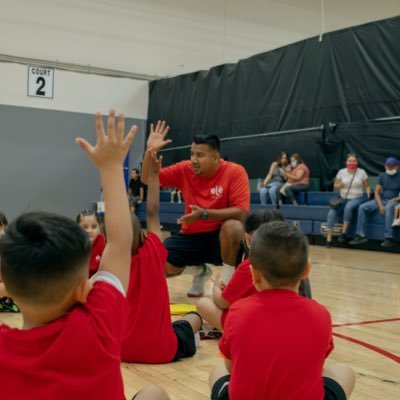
(361, 290)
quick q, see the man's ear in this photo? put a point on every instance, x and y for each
(307, 269)
(82, 290)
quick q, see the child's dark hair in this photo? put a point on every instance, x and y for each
(3, 220)
(259, 217)
(279, 250)
(86, 213)
(210, 140)
(42, 256)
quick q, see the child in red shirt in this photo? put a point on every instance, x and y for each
(241, 284)
(275, 342)
(89, 221)
(149, 335)
(70, 342)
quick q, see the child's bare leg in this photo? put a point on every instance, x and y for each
(194, 320)
(218, 372)
(152, 392)
(210, 312)
(343, 375)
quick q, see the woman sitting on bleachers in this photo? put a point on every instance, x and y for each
(351, 181)
(298, 180)
(274, 179)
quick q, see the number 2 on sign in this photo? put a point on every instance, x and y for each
(42, 82)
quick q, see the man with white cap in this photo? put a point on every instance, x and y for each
(386, 198)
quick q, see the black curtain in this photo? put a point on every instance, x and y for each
(351, 75)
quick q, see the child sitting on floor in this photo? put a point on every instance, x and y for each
(241, 285)
(89, 221)
(275, 342)
(70, 343)
(149, 336)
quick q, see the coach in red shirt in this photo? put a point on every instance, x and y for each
(217, 199)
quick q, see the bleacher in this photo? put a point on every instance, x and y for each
(309, 215)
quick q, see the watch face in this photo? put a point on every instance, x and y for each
(204, 214)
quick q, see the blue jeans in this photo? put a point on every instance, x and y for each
(346, 210)
(273, 190)
(370, 207)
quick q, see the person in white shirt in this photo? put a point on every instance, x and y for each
(350, 181)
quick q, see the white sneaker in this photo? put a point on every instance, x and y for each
(396, 222)
(199, 281)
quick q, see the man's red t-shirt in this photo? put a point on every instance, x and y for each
(228, 187)
(97, 251)
(277, 342)
(240, 286)
(149, 336)
(75, 357)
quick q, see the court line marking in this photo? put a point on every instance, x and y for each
(356, 267)
(378, 350)
(377, 321)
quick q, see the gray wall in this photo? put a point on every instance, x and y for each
(41, 166)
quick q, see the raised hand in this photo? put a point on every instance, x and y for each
(155, 163)
(156, 139)
(191, 217)
(111, 147)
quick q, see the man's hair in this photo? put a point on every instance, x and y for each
(3, 220)
(279, 250)
(42, 257)
(210, 140)
(259, 217)
(136, 170)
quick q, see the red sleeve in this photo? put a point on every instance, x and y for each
(239, 190)
(108, 310)
(240, 285)
(156, 248)
(172, 176)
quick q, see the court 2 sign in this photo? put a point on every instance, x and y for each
(40, 82)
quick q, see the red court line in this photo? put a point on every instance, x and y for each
(366, 322)
(385, 353)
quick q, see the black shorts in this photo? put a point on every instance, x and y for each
(193, 249)
(186, 342)
(333, 391)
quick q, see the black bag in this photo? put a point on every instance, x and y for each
(337, 201)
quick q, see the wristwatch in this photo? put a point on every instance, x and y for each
(204, 214)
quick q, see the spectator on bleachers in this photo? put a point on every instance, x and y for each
(351, 181)
(396, 220)
(298, 180)
(135, 190)
(274, 179)
(386, 199)
(176, 192)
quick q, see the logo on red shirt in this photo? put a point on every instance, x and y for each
(217, 191)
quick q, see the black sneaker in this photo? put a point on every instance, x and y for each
(358, 240)
(7, 305)
(328, 245)
(342, 238)
(387, 243)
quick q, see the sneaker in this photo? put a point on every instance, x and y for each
(7, 305)
(396, 222)
(358, 240)
(387, 243)
(199, 280)
(342, 238)
(209, 332)
(328, 245)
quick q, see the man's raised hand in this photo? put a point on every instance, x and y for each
(156, 139)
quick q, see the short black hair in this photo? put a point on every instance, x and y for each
(136, 170)
(3, 220)
(259, 217)
(279, 250)
(211, 140)
(42, 256)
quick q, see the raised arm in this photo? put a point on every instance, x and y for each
(108, 155)
(153, 195)
(156, 141)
